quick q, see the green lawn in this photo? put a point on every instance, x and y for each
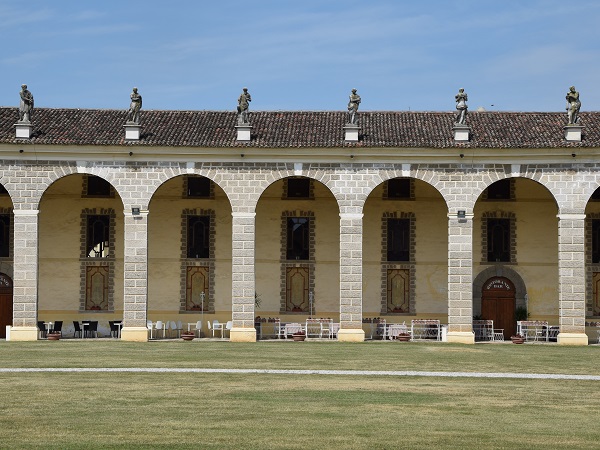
(184, 410)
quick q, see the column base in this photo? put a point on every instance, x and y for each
(242, 335)
(24, 334)
(461, 337)
(572, 339)
(350, 335)
(134, 334)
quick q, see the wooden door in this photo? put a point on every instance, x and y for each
(498, 304)
(6, 304)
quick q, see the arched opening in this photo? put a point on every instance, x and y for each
(515, 236)
(80, 252)
(405, 247)
(189, 252)
(297, 251)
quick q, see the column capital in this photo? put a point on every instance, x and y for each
(26, 212)
(140, 213)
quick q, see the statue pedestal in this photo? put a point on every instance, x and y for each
(132, 132)
(23, 130)
(243, 132)
(573, 132)
(351, 132)
(461, 132)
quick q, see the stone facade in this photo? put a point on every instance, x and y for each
(349, 179)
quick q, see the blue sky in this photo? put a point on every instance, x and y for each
(509, 55)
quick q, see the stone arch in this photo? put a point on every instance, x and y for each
(499, 271)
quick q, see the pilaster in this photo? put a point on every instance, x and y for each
(25, 277)
(571, 279)
(351, 237)
(242, 277)
(135, 288)
(460, 278)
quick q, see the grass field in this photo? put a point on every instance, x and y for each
(267, 411)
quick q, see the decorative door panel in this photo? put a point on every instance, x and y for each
(398, 290)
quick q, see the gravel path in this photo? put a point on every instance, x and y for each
(368, 373)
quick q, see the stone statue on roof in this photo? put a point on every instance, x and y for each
(461, 107)
(243, 104)
(573, 106)
(353, 108)
(133, 115)
(26, 105)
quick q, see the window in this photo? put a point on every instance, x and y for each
(96, 288)
(98, 187)
(198, 187)
(298, 188)
(500, 190)
(197, 284)
(97, 236)
(297, 297)
(4, 235)
(398, 239)
(498, 240)
(198, 236)
(399, 188)
(298, 235)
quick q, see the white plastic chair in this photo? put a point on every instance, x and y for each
(167, 327)
(150, 327)
(174, 328)
(217, 326)
(198, 328)
(159, 328)
(179, 328)
(210, 327)
(228, 327)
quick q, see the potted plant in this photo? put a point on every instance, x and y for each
(188, 335)
(53, 336)
(517, 339)
(403, 336)
(299, 336)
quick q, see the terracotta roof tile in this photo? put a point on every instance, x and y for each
(320, 129)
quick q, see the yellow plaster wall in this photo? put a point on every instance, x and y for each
(537, 244)
(268, 249)
(59, 250)
(164, 251)
(431, 251)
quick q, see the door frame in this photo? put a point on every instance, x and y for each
(6, 310)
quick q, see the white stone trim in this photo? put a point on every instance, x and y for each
(26, 212)
(243, 215)
(571, 216)
(351, 216)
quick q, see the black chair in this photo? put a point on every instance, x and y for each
(114, 328)
(77, 329)
(58, 327)
(93, 328)
(42, 328)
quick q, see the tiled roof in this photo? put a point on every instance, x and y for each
(314, 129)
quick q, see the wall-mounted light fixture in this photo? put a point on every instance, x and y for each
(242, 155)
(461, 214)
(130, 153)
(462, 155)
(21, 151)
(135, 211)
(573, 155)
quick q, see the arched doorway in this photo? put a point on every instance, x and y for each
(498, 304)
(6, 303)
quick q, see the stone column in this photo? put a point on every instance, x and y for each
(571, 279)
(242, 277)
(135, 288)
(460, 278)
(25, 276)
(351, 237)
